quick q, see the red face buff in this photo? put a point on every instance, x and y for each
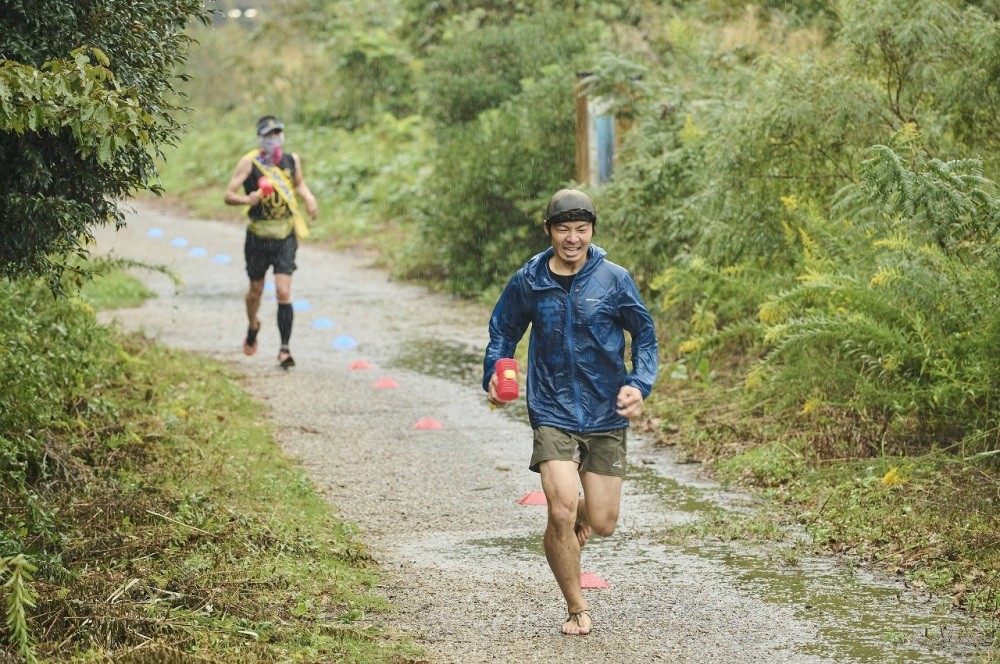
(270, 148)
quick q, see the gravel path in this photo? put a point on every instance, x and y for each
(438, 509)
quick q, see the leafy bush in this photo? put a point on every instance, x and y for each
(429, 24)
(54, 360)
(480, 214)
(87, 90)
(56, 365)
(373, 77)
(485, 68)
(904, 330)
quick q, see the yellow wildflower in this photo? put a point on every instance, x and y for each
(690, 346)
(774, 334)
(755, 378)
(809, 245)
(897, 242)
(791, 202)
(908, 132)
(810, 405)
(772, 312)
(789, 233)
(883, 277)
(690, 132)
(893, 478)
(703, 319)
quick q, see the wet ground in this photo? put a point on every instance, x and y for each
(438, 508)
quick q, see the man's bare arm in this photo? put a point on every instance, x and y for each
(233, 194)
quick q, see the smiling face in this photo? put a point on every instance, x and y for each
(570, 241)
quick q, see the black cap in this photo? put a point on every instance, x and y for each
(267, 124)
(570, 205)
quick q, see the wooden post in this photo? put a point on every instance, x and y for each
(582, 131)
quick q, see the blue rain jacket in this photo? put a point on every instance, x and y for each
(576, 352)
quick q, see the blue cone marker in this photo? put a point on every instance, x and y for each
(198, 252)
(154, 232)
(178, 242)
(301, 305)
(344, 342)
(322, 324)
(222, 259)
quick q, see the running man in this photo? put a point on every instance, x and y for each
(579, 395)
(271, 179)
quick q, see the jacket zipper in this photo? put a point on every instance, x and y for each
(572, 358)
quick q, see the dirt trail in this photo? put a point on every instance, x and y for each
(438, 509)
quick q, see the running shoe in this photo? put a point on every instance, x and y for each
(285, 359)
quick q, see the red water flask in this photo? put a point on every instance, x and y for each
(266, 189)
(507, 387)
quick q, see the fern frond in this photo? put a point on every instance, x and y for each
(19, 571)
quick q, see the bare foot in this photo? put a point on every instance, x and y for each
(578, 624)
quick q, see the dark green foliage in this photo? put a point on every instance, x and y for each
(45, 383)
(482, 213)
(55, 363)
(503, 99)
(373, 77)
(969, 85)
(429, 23)
(426, 24)
(797, 130)
(936, 65)
(485, 68)
(645, 208)
(85, 104)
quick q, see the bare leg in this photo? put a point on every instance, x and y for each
(582, 527)
(603, 498)
(283, 288)
(562, 548)
(252, 299)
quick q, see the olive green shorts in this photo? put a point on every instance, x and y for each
(601, 452)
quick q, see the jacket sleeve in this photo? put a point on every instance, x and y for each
(510, 319)
(645, 348)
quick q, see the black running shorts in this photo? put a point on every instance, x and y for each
(262, 253)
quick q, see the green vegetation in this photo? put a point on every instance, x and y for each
(807, 198)
(87, 100)
(145, 503)
(115, 289)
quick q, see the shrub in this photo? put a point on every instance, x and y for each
(480, 214)
(483, 69)
(904, 330)
(88, 97)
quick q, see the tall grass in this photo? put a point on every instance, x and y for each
(148, 512)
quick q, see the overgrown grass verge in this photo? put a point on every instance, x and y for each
(930, 517)
(115, 288)
(149, 515)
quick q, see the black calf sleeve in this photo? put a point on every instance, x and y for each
(285, 316)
